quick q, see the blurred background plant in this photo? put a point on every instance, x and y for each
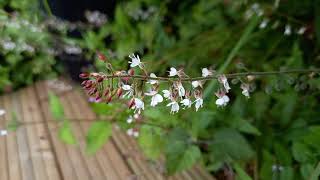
(273, 135)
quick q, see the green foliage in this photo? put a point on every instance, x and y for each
(151, 141)
(98, 134)
(65, 133)
(56, 107)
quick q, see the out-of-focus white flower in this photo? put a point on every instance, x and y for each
(129, 119)
(222, 101)
(264, 24)
(287, 30)
(3, 132)
(302, 30)
(245, 90)
(186, 102)
(126, 87)
(196, 84)
(173, 72)
(174, 107)
(224, 81)
(2, 112)
(199, 103)
(129, 90)
(152, 81)
(276, 168)
(138, 105)
(206, 72)
(181, 90)
(166, 94)
(69, 49)
(95, 17)
(8, 45)
(135, 61)
(155, 99)
(133, 132)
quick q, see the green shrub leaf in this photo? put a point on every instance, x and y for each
(98, 134)
(66, 135)
(56, 107)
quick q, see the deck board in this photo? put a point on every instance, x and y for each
(34, 151)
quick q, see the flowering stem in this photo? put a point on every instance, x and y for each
(231, 75)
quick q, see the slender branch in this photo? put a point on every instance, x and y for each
(231, 75)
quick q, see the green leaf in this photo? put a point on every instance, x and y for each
(65, 133)
(306, 170)
(316, 173)
(282, 154)
(229, 144)
(56, 107)
(244, 126)
(98, 134)
(151, 141)
(181, 157)
(241, 174)
(301, 152)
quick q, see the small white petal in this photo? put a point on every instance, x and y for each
(181, 90)
(173, 72)
(199, 103)
(3, 132)
(2, 112)
(195, 84)
(225, 98)
(206, 72)
(220, 102)
(126, 87)
(186, 102)
(156, 99)
(166, 93)
(153, 81)
(130, 132)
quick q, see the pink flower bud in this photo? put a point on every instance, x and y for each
(101, 57)
(119, 92)
(84, 75)
(131, 72)
(131, 103)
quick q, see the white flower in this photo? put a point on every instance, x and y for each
(3, 132)
(199, 103)
(264, 24)
(155, 99)
(138, 105)
(196, 84)
(302, 30)
(173, 72)
(186, 102)
(245, 90)
(133, 132)
(224, 81)
(126, 87)
(174, 107)
(135, 61)
(166, 94)
(2, 112)
(181, 90)
(129, 90)
(222, 101)
(152, 81)
(130, 120)
(206, 72)
(287, 30)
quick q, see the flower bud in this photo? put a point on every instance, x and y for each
(131, 72)
(101, 57)
(99, 79)
(119, 92)
(106, 92)
(109, 99)
(84, 75)
(131, 103)
(84, 83)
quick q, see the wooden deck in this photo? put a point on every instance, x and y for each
(34, 152)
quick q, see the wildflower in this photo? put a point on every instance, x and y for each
(138, 105)
(155, 99)
(186, 102)
(196, 84)
(152, 81)
(206, 72)
(173, 72)
(129, 119)
(174, 107)
(2, 112)
(224, 81)
(3, 132)
(181, 90)
(199, 103)
(245, 90)
(222, 99)
(135, 61)
(166, 94)
(129, 90)
(287, 30)
(264, 24)
(133, 132)
(302, 30)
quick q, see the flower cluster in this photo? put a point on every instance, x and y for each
(126, 84)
